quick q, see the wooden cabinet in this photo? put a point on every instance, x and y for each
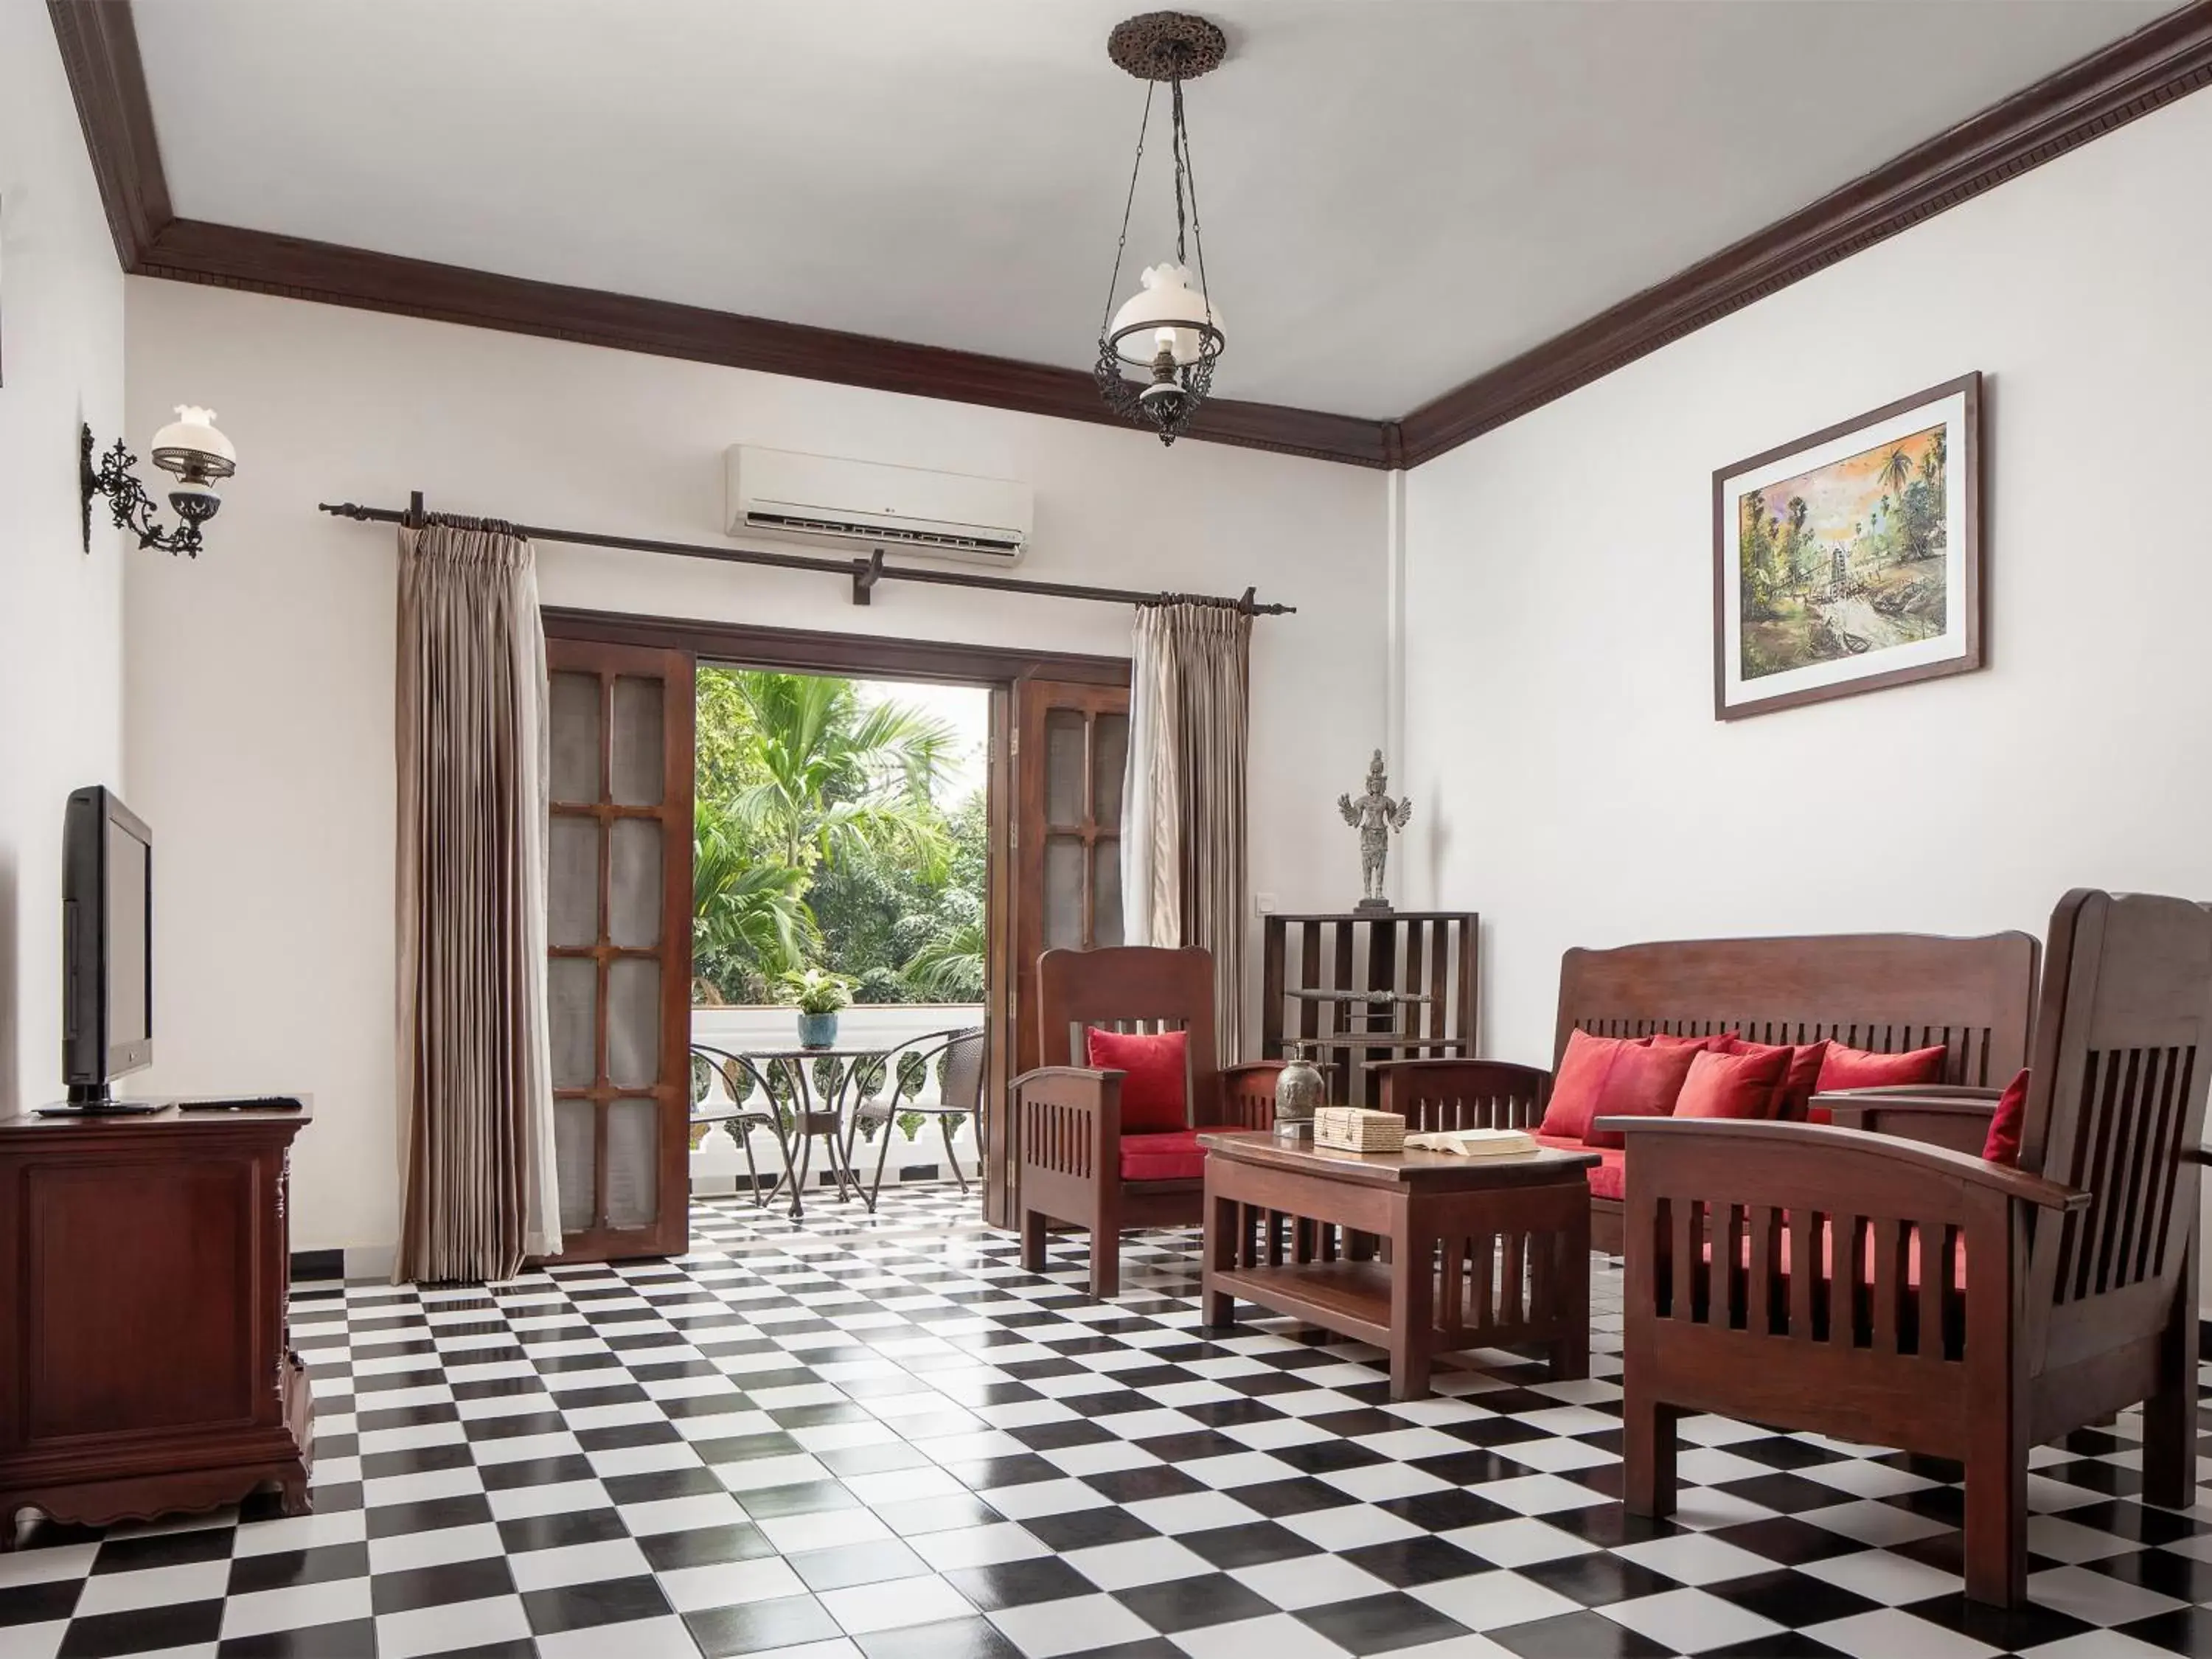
(1355, 986)
(144, 1360)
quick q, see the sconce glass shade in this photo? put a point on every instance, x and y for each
(1170, 313)
(191, 447)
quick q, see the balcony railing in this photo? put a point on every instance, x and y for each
(718, 1165)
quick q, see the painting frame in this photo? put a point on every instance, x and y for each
(1955, 407)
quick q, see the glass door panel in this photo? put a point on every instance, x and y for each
(619, 937)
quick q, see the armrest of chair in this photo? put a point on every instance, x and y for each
(2200, 1156)
(1474, 1093)
(1855, 1162)
(1944, 1113)
(1068, 1120)
(1247, 1094)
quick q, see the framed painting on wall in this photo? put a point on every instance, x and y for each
(1850, 559)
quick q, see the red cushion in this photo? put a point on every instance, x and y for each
(1608, 1179)
(1642, 1083)
(1579, 1081)
(1859, 1068)
(1153, 1091)
(1718, 1042)
(1171, 1155)
(1732, 1085)
(1828, 1256)
(1798, 1081)
(2003, 1146)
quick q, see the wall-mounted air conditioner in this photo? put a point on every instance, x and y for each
(774, 492)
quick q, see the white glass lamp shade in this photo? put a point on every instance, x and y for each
(1170, 311)
(191, 447)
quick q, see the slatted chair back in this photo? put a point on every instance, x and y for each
(1131, 988)
(2115, 1097)
(1888, 992)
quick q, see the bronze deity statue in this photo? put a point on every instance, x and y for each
(1375, 815)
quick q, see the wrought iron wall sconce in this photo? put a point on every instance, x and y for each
(191, 449)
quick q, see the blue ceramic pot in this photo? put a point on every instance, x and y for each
(817, 1030)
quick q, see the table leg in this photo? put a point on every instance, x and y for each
(1219, 1307)
(802, 1095)
(1413, 1306)
(1570, 1353)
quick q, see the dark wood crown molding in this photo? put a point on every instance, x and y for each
(2165, 60)
(100, 52)
(2162, 61)
(190, 250)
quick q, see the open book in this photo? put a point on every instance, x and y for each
(1474, 1143)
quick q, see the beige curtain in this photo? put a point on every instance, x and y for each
(475, 1099)
(1182, 833)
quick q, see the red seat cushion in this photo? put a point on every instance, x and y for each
(1580, 1079)
(1163, 1155)
(1642, 1083)
(1156, 1082)
(1732, 1085)
(1861, 1068)
(1169, 1154)
(2003, 1146)
(1608, 1179)
(1866, 1267)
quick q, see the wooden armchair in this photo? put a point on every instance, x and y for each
(1069, 1149)
(1904, 1294)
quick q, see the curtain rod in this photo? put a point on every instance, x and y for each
(865, 573)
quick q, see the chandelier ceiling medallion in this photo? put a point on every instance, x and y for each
(1168, 326)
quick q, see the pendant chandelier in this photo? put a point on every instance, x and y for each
(1168, 327)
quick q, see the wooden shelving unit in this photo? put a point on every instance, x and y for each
(1434, 954)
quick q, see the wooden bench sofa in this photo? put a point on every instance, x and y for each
(1883, 991)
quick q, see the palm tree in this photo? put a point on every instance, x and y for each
(948, 968)
(840, 775)
(751, 922)
(1896, 470)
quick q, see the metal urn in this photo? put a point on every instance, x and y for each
(1300, 1090)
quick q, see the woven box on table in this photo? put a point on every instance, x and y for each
(1356, 1129)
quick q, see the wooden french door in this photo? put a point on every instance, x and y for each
(618, 943)
(1067, 749)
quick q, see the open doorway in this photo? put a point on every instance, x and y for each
(626, 705)
(841, 928)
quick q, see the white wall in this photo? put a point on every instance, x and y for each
(260, 689)
(61, 612)
(1575, 785)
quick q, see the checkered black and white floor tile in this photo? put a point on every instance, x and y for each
(880, 1438)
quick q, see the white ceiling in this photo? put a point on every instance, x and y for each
(1398, 194)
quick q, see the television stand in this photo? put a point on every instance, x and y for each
(145, 1362)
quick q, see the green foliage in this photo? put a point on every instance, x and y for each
(822, 845)
(750, 926)
(817, 991)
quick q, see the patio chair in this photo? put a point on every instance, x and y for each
(1904, 1294)
(747, 1100)
(955, 1058)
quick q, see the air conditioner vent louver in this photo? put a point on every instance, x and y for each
(792, 524)
(774, 492)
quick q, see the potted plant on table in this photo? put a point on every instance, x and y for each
(818, 995)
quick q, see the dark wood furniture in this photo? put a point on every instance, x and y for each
(143, 1360)
(1432, 953)
(1901, 1294)
(1884, 991)
(1482, 1253)
(1067, 1117)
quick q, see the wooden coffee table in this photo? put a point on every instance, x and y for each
(1482, 1253)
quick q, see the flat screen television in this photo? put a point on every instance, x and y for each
(107, 946)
